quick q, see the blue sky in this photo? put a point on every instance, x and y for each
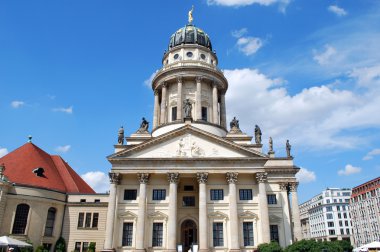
(73, 72)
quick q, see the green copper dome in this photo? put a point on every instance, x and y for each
(190, 35)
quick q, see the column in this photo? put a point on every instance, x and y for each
(295, 212)
(263, 205)
(143, 178)
(198, 99)
(203, 235)
(284, 187)
(223, 111)
(163, 104)
(234, 225)
(215, 104)
(172, 222)
(179, 99)
(114, 179)
(156, 110)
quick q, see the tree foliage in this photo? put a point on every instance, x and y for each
(60, 245)
(318, 246)
(270, 247)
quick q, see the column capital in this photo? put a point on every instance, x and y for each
(173, 178)
(198, 79)
(261, 177)
(114, 177)
(284, 186)
(202, 177)
(143, 177)
(214, 84)
(164, 84)
(179, 79)
(156, 92)
(231, 177)
(293, 186)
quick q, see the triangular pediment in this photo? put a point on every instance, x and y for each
(187, 142)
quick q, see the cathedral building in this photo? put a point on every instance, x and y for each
(191, 182)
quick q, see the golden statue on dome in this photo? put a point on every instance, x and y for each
(191, 14)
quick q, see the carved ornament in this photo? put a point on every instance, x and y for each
(202, 177)
(143, 178)
(231, 177)
(114, 177)
(261, 177)
(173, 178)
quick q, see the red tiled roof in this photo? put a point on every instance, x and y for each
(58, 175)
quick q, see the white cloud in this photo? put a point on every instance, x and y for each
(366, 76)
(324, 57)
(3, 151)
(97, 180)
(239, 33)
(68, 110)
(337, 10)
(249, 45)
(17, 104)
(318, 116)
(148, 82)
(348, 170)
(305, 176)
(63, 149)
(371, 154)
(238, 3)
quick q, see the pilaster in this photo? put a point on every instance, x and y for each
(284, 187)
(295, 212)
(143, 179)
(263, 205)
(203, 227)
(172, 221)
(234, 225)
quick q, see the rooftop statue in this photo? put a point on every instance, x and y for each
(120, 137)
(288, 148)
(143, 126)
(234, 123)
(270, 145)
(258, 134)
(191, 15)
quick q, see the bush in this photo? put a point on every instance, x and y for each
(92, 247)
(270, 247)
(60, 245)
(318, 246)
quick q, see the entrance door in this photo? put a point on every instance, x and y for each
(189, 234)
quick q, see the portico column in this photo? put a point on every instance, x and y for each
(172, 222)
(284, 187)
(234, 226)
(143, 178)
(203, 235)
(295, 212)
(156, 110)
(114, 179)
(263, 205)
(223, 111)
(198, 99)
(215, 104)
(179, 99)
(163, 104)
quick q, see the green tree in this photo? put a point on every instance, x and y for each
(92, 247)
(60, 245)
(270, 247)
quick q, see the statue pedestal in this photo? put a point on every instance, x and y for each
(271, 154)
(188, 120)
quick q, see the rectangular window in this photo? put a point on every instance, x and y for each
(188, 201)
(331, 232)
(77, 247)
(245, 194)
(188, 188)
(347, 231)
(130, 194)
(88, 220)
(341, 231)
(84, 246)
(345, 215)
(217, 231)
(339, 216)
(340, 223)
(329, 209)
(174, 114)
(329, 216)
(248, 233)
(216, 194)
(330, 224)
(272, 200)
(95, 220)
(204, 113)
(159, 194)
(346, 223)
(157, 234)
(127, 234)
(80, 220)
(274, 233)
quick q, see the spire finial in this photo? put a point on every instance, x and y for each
(191, 14)
(29, 138)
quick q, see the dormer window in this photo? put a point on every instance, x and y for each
(39, 172)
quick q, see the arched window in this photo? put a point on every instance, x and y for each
(21, 219)
(50, 221)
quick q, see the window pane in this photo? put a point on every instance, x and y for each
(21, 219)
(174, 113)
(245, 194)
(84, 246)
(50, 222)
(77, 246)
(204, 113)
(216, 194)
(248, 233)
(157, 234)
(127, 234)
(218, 234)
(159, 194)
(130, 194)
(188, 201)
(88, 220)
(95, 219)
(274, 233)
(80, 220)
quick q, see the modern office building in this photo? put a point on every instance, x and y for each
(326, 216)
(365, 212)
